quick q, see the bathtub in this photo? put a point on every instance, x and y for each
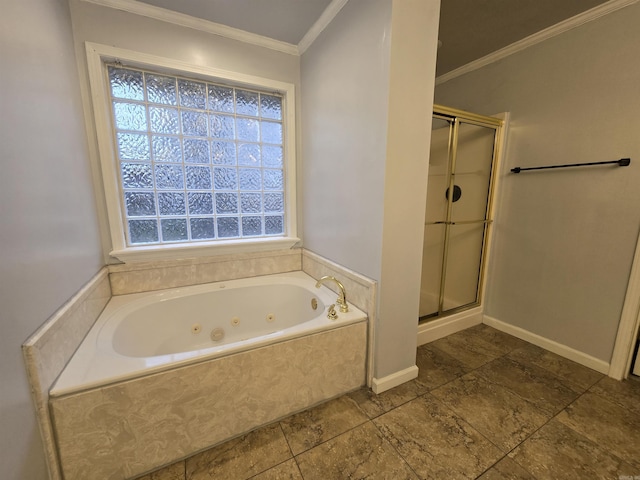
(164, 375)
(145, 333)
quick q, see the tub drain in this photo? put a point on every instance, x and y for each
(217, 334)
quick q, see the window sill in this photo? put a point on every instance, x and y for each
(148, 253)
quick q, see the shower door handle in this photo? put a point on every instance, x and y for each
(469, 222)
(464, 222)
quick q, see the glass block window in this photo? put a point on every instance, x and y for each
(199, 161)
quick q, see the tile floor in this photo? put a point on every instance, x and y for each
(485, 405)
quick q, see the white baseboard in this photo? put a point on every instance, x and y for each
(379, 385)
(550, 345)
(435, 329)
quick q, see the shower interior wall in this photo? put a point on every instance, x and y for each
(564, 239)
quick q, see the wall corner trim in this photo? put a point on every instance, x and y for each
(323, 21)
(169, 16)
(539, 37)
(622, 355)
(558, 348)
(379, 385)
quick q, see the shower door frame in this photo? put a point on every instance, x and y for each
(456, 116)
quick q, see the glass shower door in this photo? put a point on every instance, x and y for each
(436, 213)
(457, 214)
(468, 215)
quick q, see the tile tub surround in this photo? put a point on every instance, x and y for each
(132, 427)
(49, 349)
(147, 276)
(361, 292)
(410, 432)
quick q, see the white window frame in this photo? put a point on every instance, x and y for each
(97, 58)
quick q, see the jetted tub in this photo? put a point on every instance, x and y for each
(144, 333)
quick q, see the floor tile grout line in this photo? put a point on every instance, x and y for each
(603, 447)
(298, 467)
(528, 401)
(394, 447)
(554, 417)
(450, 409)
(568, 383)
(332, 438)
(564, 380)
(480, 433)
(580, 392)
(608, 398)
(274, 466)
(285, 437)
(271, 467)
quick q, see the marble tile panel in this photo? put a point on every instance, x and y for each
(360, 289)
(436, 368)
(530, 382)
(625, 393)
(375, 405)
(307, 429)
(252, 267)
(148, 276)
(469, 348)
(358, 453)
(137, 281)
(54, 343)
(241, 458)
(48, 350)
(607, 424)
(502, 416)
(558, 452)
(285, 471)
(577, 374)
(175, 471)
(135, 426)
(506, 469)
(175, 262)
(435, 442)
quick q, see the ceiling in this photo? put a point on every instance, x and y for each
(469, 29)
(284, 20)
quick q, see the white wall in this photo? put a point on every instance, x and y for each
(345, 85)
(564, 239)
(367, 82)
(48, 227)
(414, 38)
(107, 26)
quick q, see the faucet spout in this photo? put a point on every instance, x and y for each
(342, 296)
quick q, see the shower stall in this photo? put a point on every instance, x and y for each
(464, 152)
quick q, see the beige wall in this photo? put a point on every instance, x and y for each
(564, 239)
(365, 154)
(48, 226)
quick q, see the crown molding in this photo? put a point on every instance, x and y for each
(169, 16)
(564, 26)
(325, 19)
